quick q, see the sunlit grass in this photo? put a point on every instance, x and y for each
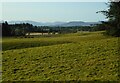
(85, 57)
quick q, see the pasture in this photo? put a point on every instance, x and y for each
(84, 56)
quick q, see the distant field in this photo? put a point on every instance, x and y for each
(40, 33)
(80, 56)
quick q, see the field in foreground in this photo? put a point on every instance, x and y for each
(79, 56)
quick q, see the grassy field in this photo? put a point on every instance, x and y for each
(84, 56)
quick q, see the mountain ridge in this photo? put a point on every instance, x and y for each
(57, 23)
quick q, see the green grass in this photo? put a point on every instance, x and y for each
(19, 43)
(79, 56)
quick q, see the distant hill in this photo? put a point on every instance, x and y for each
(27, 21)
(64, 24)
(76, 23)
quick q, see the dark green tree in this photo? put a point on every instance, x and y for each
(6, 30)
(113, 15)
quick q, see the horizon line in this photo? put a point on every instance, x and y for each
(52, 21)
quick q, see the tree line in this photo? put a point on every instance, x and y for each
(16, 29)
(26, 28)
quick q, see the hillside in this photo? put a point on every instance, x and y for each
(80, 56)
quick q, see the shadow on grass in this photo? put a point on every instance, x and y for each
(20, 45)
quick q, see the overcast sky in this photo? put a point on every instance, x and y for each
(53, 11)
